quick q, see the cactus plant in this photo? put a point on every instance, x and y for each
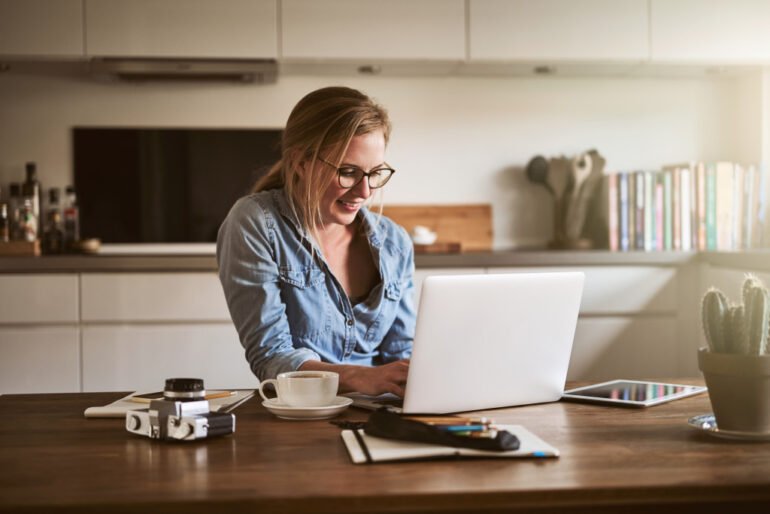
(737, 328)
(757, 314)
(715, 309)
(743, 328)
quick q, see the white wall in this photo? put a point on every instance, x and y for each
(455, 140)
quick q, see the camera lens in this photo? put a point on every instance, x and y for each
(184, 389)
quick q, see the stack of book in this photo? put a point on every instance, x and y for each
(692, 206)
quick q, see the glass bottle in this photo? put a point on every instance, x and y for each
(71, 215)
(53, 237)
(5, 224)
(53, 204)
(28, 225)
(14, 206)
(31, 189)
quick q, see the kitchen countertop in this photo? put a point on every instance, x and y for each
(758, 260)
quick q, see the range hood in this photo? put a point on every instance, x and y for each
(261, 71)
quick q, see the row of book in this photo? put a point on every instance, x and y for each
(693, 206)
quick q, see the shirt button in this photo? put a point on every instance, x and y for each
(350, 322)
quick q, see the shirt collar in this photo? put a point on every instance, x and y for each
(373, 227)
(371, 221)
(282, 201)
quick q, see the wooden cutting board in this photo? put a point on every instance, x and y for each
(469, 225)
(20, 248)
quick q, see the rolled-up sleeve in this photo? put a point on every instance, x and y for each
(250, 279)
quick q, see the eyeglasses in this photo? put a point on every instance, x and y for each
(350, 176)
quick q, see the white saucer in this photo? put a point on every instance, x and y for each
(708, 423)
(284, 411)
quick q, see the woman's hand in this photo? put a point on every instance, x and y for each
(388, 378)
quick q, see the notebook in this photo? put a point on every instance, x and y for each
(364, 448)
(489, 341)
(118, 408)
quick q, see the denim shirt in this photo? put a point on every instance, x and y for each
(287, 305)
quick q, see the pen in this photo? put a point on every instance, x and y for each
(463, 428)
(484, 434)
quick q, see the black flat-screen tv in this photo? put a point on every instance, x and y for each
(165, 185)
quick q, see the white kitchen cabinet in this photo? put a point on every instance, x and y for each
(131, 330)
(620, 289)
(372, 29)
(558, 30)
(606, 348)
(41, 28)
(39, 298)
(141, 357)
(710, 31)
(181, 28)
(125, 297)
(141, 328)
(39, 334)
(40, 359)
(628, 324)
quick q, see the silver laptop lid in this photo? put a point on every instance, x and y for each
(488, 341)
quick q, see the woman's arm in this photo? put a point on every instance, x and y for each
(249, 276)
(388, 378)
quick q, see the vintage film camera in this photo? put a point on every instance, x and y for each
(182, 415)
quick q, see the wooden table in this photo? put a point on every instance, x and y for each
(612, 460)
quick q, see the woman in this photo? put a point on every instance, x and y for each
(313, 279)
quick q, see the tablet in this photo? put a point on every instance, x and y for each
(633, 393)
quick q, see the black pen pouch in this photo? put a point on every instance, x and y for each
(389, 425)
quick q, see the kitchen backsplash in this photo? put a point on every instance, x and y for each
(456, 140)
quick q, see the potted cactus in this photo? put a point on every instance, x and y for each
(736, 363)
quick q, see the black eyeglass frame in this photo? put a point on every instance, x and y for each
(364, 174)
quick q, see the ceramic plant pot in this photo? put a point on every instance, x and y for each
(739, 389)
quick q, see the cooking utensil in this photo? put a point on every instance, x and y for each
(586, 169)
(537, 172)
(560, 180)
(581, 169)
(559, 176)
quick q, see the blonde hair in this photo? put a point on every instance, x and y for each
(325, 120)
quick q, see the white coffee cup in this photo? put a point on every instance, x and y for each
(303, 388)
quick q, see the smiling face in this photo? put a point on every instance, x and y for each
(339, 206)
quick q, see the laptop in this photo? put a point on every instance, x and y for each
(488, 341)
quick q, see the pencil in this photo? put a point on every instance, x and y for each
(450, 420)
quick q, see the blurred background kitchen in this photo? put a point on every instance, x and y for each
(476, 89)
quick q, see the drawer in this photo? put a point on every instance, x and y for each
(142, 357)
(620, 289)
(44, 298)
(39, 360)
(153, 297)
